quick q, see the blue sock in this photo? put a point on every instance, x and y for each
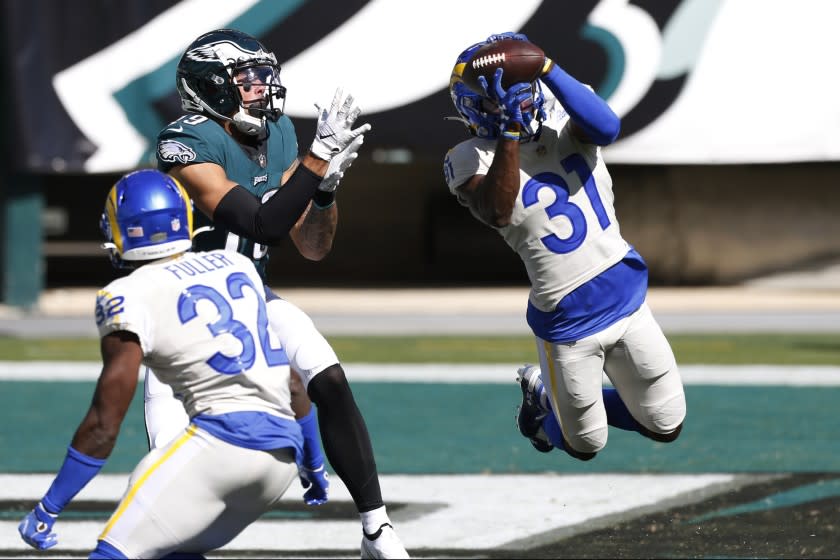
(551, 427)
(617, 416)
(542, 397)
(617, 413)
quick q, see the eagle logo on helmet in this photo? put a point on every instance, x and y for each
(229, 52)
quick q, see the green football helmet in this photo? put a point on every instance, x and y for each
(214, 68)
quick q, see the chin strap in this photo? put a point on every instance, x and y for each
(247, 124)
(202, 229)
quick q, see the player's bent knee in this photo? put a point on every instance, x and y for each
(584, 447)
(581, 456)
(665, 421)
(662, 438)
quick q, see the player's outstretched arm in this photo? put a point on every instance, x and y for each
(234, 207)
(94, 439)
(314, 233)
(595, 121)
(334, 132)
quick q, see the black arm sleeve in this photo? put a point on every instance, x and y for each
(268, 223)
(345, 437)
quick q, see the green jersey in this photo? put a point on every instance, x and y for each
(258, 168)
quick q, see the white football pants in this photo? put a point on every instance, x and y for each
(637, 359)
(195, 494)
(308, 351)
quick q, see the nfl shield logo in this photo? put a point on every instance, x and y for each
(175, 224)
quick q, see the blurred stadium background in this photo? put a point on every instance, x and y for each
(726, 170)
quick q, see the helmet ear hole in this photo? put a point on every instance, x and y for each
(470, 106)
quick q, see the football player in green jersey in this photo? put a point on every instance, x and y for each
(236, 153)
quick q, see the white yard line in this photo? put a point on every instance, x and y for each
(469, 373)
(467, 512)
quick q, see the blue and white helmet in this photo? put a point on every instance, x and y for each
(148, 215)
(478, 112)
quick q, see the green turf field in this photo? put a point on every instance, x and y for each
(799, 349)
(784, 432)
(778, 428)
(436, 428)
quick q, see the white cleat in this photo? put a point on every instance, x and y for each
(383, 544)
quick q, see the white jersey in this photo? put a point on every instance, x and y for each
(563, 225)
(202, 324)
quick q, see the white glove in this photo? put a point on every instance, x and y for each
(340, 163)
(334, 131)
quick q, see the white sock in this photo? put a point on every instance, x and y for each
(373, 520)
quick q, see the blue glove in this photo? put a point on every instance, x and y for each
(36, 528)
(319, 481)
(510, 101)
(506, 35)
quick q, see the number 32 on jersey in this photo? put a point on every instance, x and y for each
(237, 283)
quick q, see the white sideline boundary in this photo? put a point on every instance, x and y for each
(465, 512)
(469, 373)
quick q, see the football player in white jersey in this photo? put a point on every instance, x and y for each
(199, 320)
(533, 171)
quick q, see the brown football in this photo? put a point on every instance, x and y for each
(521, 61)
